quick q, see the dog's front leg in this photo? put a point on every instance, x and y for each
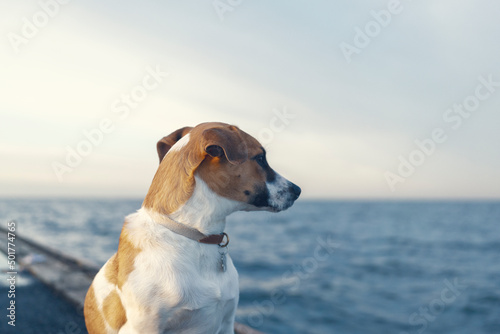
(227, 325)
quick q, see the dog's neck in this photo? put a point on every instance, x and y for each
(205, 210)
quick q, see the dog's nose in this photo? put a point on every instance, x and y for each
(295, 190)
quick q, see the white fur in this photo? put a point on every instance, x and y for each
(177, 285)
(205, 210)
(280, 197)
(180, 143)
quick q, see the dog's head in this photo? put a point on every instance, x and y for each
(232, 163)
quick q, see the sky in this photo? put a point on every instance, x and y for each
(351, 99)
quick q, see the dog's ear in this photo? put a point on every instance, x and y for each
(227, 142)
(167, 142)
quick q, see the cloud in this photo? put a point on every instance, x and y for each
(351, 123)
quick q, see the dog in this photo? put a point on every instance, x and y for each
(172, 272)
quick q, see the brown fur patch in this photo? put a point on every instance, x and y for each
(166, 143)
(117, 269)
(125, 257)
(173, 182)
(93, 318)
(219, 174)
(111, 270)
(113, 311)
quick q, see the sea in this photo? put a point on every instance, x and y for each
(348, 267)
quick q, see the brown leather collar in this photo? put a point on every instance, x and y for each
(194, 234)
(215, 239)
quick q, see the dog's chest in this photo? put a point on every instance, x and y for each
(182, 284)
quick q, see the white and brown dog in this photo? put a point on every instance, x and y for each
(171, 273)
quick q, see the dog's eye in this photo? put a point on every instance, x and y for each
(261, 160)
